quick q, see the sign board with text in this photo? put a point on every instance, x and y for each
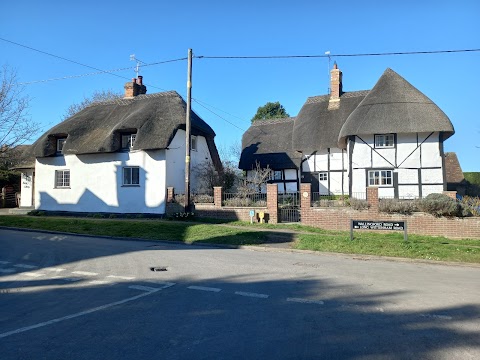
(378, 225)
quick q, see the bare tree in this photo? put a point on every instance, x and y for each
(97, 96)
(16, 126)
(256, 181)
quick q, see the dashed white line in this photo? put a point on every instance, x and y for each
(86, 273)
(143, 288)
(68, 317)
(204, 288)
(121, 277)
(165, 284)
(250, 294)
(33, 274)
(4, 262)
(306, 301)
(7, 271)
(53, 269)
(101, 282)
(25, 266)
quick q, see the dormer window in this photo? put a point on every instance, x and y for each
(127, 141)
(60, 144)
(384, 141)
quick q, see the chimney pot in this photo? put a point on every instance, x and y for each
(140, 80)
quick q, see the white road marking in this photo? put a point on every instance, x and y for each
(143, 288)
(82, 313)
(256, 295)
(7, 271)
(440, 317)
(86, 273)
(52, 269)
(33, 274)
(203, 288)
(100, 282)
(4, 262)
(306, 301)
(25, 266)
(121, 277)
(165, 284)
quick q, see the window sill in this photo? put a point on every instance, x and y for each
(62, 187)
(131, 185)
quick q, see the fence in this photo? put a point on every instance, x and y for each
(327, 200)
(244, 199)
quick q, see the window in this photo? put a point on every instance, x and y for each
(128, 141)
(384, 141)
(323, 176)
(380, 178)
(62, 178)
(60, 143)
(276, 175)
(193, 143)
(131, 175)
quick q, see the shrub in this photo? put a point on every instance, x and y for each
(203, 198)
(238, 201)
(112, 216)
(397, 206)
(358, 204)
(472, 204)
(98, 216)
(183, 216)
(442, 205)
(36, 213)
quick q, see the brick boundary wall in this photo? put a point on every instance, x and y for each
(417, 223)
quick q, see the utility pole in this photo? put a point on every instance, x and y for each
(187, 132)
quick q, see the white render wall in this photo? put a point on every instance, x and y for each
(96, 183)
(416, 158)
(26, 199)
(175, 155)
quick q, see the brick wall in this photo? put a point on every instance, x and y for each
(417, 223)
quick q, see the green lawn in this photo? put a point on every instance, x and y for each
(243, 233)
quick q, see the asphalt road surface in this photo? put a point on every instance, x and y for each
(74, 297)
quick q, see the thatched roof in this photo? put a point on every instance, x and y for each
(316, 127)
(395, 106)
(155, 118)
(269, 142)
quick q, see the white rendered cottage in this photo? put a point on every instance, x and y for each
(390, 137)
(117, 156)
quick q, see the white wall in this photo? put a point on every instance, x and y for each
(26, 199)
(176, 161)
(333, 163)
(96, 183)
(412, 152)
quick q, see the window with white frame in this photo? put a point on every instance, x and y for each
(193, 143)
(60, 144)
(323, 176)
(384, 141)
(128, 140)
(380, 178)
(62, 178)
(131, 175)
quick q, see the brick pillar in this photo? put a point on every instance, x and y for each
(170, 194)
(217, 195)
(272, 203)
(372, 198)
(451, 194)
(305, 201)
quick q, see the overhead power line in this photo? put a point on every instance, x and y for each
(336, 55)
(221, 117)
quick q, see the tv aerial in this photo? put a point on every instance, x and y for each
(138, 65)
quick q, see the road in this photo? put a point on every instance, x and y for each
(74, 297)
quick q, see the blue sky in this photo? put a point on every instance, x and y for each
(103, 34)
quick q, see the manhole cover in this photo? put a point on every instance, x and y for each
(158, 268)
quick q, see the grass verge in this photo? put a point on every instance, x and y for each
(244, 233)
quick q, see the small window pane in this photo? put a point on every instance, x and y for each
(131, 176)
(135, 176)
(323, 176)
(193, 143)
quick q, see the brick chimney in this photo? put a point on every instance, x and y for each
(335, 87)
(135, 87)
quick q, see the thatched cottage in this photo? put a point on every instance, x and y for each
(117, 156)
(390, 137)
